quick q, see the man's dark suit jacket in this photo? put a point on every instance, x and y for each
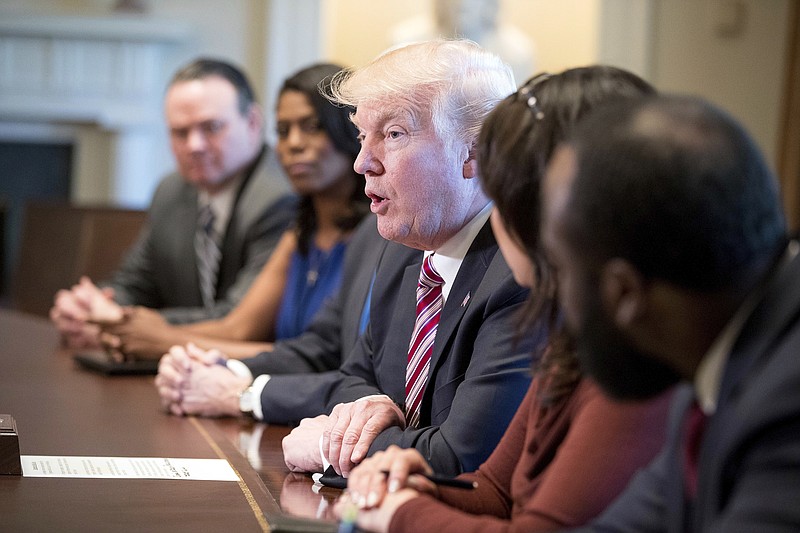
(161, 270)
(302, 368)
(749, 462)
(480, 368)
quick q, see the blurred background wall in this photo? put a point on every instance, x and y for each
(85, 78)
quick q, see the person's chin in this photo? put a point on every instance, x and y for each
(198, 179)
(389, 229)
(630, 377)
(204, 177)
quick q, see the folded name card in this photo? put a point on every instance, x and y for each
(127, 468)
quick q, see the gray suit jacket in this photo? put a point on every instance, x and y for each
(161, 271)
(749, 462)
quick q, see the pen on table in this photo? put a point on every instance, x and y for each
(446, 481)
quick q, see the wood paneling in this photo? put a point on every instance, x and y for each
(789, 156)
(61, 242)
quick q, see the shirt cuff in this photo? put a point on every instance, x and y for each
(239, 368)
(325, 463)
(258, 388)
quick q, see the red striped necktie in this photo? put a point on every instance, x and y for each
(429, 307)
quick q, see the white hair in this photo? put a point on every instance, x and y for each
(455, 82)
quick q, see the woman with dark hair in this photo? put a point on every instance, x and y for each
(569, 449)
(317, 146)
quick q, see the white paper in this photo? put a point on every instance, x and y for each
(127, 467)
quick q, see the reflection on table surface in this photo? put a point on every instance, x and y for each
(62, 409)
(296, 493)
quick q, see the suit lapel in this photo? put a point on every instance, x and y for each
(680, 511)
(776, 310)
(232, 239)
(241, 218)
(185, 227)
(469, 277)
(392, 316)
(395, 350)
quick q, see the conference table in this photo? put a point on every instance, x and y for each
(62, 409)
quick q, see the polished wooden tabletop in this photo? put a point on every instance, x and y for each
(61, 409)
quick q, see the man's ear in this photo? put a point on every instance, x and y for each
(623, 293)
(470, 169)
(255, 118)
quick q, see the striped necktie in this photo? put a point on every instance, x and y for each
(208, 254)
(429, 306)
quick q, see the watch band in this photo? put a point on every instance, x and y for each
(246, 402)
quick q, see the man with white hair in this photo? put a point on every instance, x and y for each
(441, 366)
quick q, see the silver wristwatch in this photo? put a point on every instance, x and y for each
(246, 400)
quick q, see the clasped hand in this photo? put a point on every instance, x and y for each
(343, 438)
(75, 309)
(189, 382)
(140, 333)
(382, 483)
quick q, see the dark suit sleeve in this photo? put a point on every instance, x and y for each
(761, 496)
(464, 431)
(309, 362)
(766, 496)
(260, 241)
(134, 283)
(318, 349)
(289, 398)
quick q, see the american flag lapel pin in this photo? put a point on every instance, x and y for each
(466, 299)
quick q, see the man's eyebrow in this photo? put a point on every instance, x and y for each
(383, 116)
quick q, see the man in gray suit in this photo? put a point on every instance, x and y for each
(211, 225)
(667, 231)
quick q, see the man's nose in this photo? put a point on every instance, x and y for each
(367, 161)
(196, 140)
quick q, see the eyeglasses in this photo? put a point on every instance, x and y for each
(526, 94)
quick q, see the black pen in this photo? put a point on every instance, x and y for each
(446, 481)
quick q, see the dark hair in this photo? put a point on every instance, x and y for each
(204, 67)
(675, 186)
(514, 147)
(313, 82)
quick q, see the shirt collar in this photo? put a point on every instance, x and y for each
(449, 256)
(708, 377)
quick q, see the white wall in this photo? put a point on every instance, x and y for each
(232, 30)
(740, 69)
(564, 32)
(671, 42)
